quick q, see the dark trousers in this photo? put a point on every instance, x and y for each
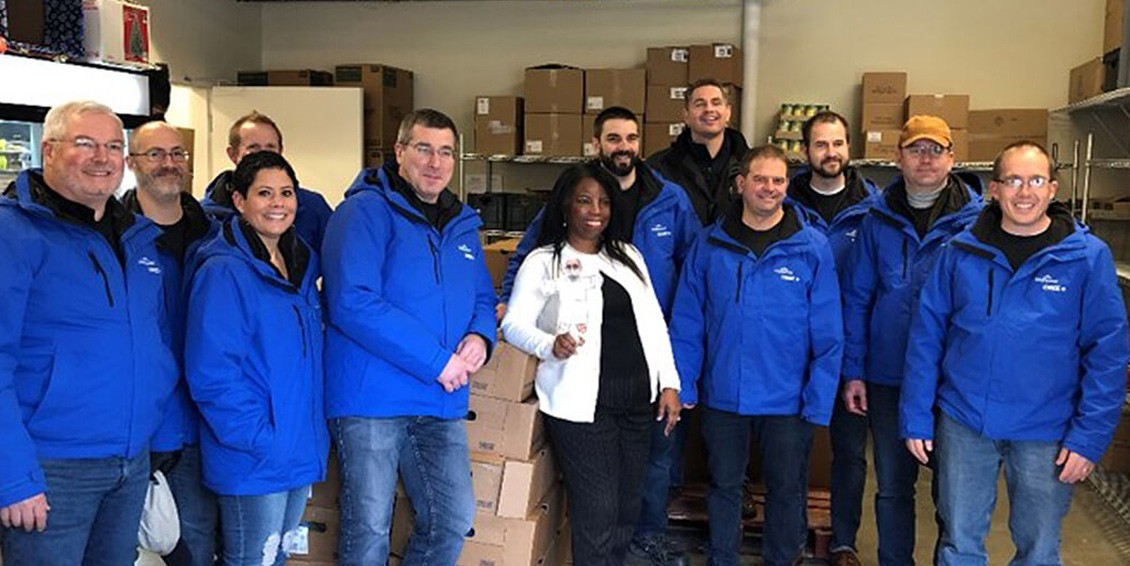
(784, 442)
(603, 463)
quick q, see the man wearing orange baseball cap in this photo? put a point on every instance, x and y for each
(897, 246)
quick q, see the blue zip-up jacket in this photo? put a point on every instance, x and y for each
(181, 424)
(401, 297)
(759, 335)
(1038, 353)
(665, 228)
(310, 221)
(253, 356)
(886, 269)
(85, 367)
(843, 231)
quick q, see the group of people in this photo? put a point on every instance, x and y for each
(153, 332)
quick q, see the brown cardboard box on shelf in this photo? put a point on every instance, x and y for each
(388, 95)
(325, 493)
(880, 144)
(498, 125)
(659, 136)
(667, 65)
(553, 134)
(509, 373)
(883, 116)
(504, 428)
(511, 488)
(884, 88)
(1086, 81)
(497, 256)
(1013, 122)
(960, 145)
(317, 538)
(554, 89)
(605, 88)
(720, 61)
(953, 108)
(1112, 25)
(986, 148)
(300, 77)
(501, 541)
(666, 103)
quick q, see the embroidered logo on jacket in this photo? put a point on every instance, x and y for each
(661, 231)
(786, 274)
(150, 265)
(466, 251)
(1051, 284)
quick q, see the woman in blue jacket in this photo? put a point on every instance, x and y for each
(254, 362)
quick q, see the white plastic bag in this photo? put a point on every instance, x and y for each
(160, 524)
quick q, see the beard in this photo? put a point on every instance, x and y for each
(166, 183)
(610, 163)
(830, 168)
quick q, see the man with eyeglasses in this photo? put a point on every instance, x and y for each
(411, 315)
(897, 244)
(758, 338)
(159, 161)
(1024, 272)
(85, 364)
(258, 132)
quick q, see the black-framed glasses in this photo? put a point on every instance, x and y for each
(157, 155)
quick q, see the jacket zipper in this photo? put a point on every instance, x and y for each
(989, 306)
(105, 279)
(301, 328)
(738, 294)
(435, 258)
(904, 261)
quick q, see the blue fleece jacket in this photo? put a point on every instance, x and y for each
(401, 295)
(85, 367)
(885, 270)
(1038, 353)
(759, 335)
(253, 356)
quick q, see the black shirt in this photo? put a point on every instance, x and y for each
(759, 240)
(628, 204)
(1017, 249)
(175, 237)
(84, 215)
(625, 381)
(828, 206)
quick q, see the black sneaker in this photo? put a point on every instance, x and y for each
(658, 551)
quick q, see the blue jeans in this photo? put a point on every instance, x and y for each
(785, 443)
(196, 506)
(255, 528)
(665, 454)
(896, 475)
(95, 512)
(968, 467)
(432, 458)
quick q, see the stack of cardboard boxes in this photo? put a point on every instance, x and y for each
(388, 97)
(605, 88)
(498, 125)
(320, 529)
(554, 96)
(883, 113)
(953, 108)
(667, 79)
(993, 129)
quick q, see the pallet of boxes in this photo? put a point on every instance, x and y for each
(519, 502)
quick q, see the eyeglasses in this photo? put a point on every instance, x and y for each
(157, 155)
(933, 150)
(1016, 182)
(89, 147)
(427, 151)
(764, 180)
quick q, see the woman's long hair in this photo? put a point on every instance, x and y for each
(554, 230)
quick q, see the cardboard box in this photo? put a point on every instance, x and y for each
(884, 88)
(325, 494)
(301, 77)
(115, 31)
(499, 125)
(553, 134)
(1018, 123)
(883, 116)
(554, 89)
(317, 539)
(605, 88)
(1086, 81)
(499, 541)
(719, 61)
(953, 108)
(512, 488)
(667, 66)
(659, 136)
(960, 145)
(25, 21)
(666, 103)
(1112, 25)
(504, 428)
(881, 144)
(509, 373)
(388, 95)
(986, 148)
(497, 256)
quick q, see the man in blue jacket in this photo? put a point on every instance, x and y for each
(85, 366)
(411, 315)
(258, 132)
(758, 336)
(834, 198)
(898, 242)
(1024, 274)
(159, 160)
(663, 227)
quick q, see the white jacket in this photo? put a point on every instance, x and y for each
(539, 310)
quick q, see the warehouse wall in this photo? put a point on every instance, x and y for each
(205, 41)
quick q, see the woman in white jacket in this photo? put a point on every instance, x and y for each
(583, 304)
